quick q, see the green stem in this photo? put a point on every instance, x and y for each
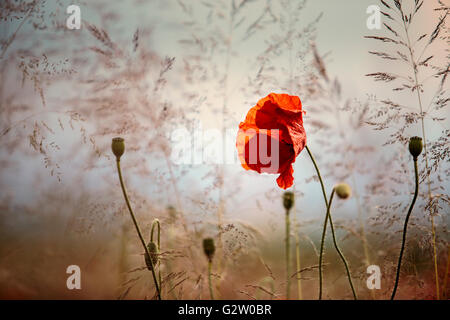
(422, 115)
(322, 242)
(288, 282)
(297, 256)
(158, 224)
(324, 223)
(211, 293)
(405, 227)
(137, 226)
(337, 247)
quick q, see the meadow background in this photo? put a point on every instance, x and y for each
(142, 69)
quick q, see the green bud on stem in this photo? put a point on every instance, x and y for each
(415, 146)
(118, 147)
(209, 248)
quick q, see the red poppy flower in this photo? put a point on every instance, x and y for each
(272, 136)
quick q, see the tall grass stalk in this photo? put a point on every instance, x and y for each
(363, 230)
(221, 210)
(288, 257)
(298, 265)
(422, 115)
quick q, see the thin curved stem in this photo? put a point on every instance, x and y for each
(405, 228)
(337, 247)
(297, 260)
(158, 224)
(137, 227)
(288, 231)
(324, 223)
(422, 121)
(363, 231)
(211, 293)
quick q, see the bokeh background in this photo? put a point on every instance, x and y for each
(144, 69)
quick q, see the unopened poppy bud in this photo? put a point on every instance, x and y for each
(288, 200)
(209, 248)
(153, 249)
(118, 147)
(415, 146)
(343, 190)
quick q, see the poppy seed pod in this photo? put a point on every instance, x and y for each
(118, 147)
(343, 190)
(153, 249)
(288, 200)
(209, 248)
(415, 146)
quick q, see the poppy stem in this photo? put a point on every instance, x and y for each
(122, 185)
(405, 227)
(297, 256)
(324, 223)
(337, 247)
(157, 224)
(211, 293)
(288, 231)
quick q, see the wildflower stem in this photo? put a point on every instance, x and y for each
(324, 223)
(211, 293)
(322, 242)
(157, 224)
(288, 231)
(416, 191)
(422, 121)
(363, 231)
(297, 255)
(337, 247)
(137, 227)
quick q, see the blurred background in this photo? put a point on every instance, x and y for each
(144, 70)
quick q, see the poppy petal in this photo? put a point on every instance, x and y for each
(262, 150)
(286, 102)
(286, 178)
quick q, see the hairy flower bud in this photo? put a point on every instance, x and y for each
(343, 190)
(209, 248)
(288, 200)
(415, 146)
(153, 249)
(118, 147)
